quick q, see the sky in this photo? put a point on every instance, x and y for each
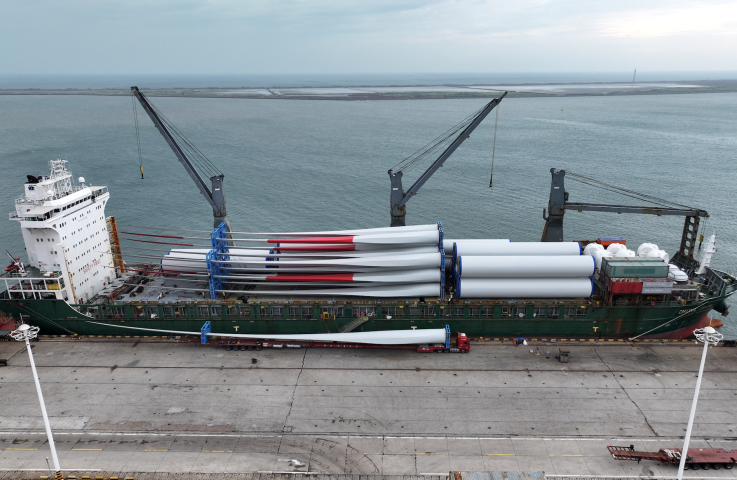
(39, 37)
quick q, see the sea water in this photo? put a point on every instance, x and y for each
(294, 165)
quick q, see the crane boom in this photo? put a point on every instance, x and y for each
(399, 197)
(558, 204)
(215, 196)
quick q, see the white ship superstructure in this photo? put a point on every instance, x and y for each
(65, 234)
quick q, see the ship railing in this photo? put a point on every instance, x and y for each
(18, 287)
(639, 302)
(22, 200)
(91, 311)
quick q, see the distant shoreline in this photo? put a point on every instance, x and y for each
(418, 92)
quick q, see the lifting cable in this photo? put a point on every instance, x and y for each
(138, 137)
(197, 157)
(434, 145)
(626, 192)
(703, 232)
(493, 148)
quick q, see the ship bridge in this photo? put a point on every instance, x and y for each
(65, 234)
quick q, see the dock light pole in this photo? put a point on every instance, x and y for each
(27, 332)
(708, 336)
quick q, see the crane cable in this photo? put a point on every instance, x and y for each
(493, 148)
(626, 192)
(423, 153)
(138, 136)
(195, 155)
(198, 159)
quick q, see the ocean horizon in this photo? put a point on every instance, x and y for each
(116, 81)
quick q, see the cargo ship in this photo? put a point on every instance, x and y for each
(76, 282)
(80, 278)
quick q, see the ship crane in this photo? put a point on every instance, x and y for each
(558, 204)
(16, 266)
(215, 195)
(398, 197)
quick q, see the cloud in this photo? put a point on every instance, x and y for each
(714, 19)
(337, 36)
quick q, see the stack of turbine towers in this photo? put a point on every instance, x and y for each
(504, 269)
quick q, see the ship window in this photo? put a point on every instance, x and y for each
(396, 312)
(139, 311)
(231, 311)
(277, 311)
(244, 311)
(333, 312)
(539, 312)
(153, 312)
(569, 312)
(300, 312)
(168, 312)
(180, 311)
(506, 312)
(458, 312)
(429, 312)
(414, 312)
(487, 312)
(474, 312)
(216, 310)
(520, 312)
(582, 311)
(554, 312)
(203, 311)
(360, 311)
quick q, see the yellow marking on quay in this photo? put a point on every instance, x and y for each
(430, 453)
(218, 451)
(156, 450)
(88, 449)
(10, 448)
(502, 454)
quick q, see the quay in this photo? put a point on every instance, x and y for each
(154, 408)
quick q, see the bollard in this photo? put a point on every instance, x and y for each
(563, 355)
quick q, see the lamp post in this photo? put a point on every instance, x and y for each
(27, 332)
(708, 336)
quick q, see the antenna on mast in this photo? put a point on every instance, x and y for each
(634, 75)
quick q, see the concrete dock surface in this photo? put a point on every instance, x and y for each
(130, 407)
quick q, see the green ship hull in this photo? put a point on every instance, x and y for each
(485, 319)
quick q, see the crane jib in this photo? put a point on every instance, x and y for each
(399, 197)
(215, 196)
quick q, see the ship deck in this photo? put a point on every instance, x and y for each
(167, 289)
(123, 407)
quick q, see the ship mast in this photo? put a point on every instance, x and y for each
(215, 195)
